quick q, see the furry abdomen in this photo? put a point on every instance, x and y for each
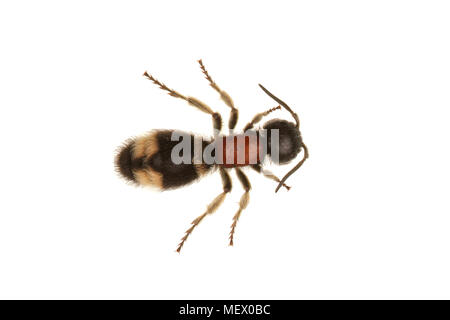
(147, 161)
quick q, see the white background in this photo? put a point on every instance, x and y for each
(368, 214)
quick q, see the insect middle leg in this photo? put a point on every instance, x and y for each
(217, 119)
(242, 203)
(224, 96)
(212, 207)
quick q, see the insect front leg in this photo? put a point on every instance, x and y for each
(224, 96)
(268, 174)
(257, 118)
(212, 207)
(217, 119)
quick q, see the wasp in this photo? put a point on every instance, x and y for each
(148, 160)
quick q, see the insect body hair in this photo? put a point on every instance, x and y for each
(147, 161)
(124, 161)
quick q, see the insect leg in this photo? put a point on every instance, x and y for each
(258, 118)
(217, 119)
(268, 174)
(242, 203)
(212, 207)
(224, 96)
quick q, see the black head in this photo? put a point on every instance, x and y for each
(290, 139)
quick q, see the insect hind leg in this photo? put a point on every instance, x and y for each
(212, 207)
(216, 117)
